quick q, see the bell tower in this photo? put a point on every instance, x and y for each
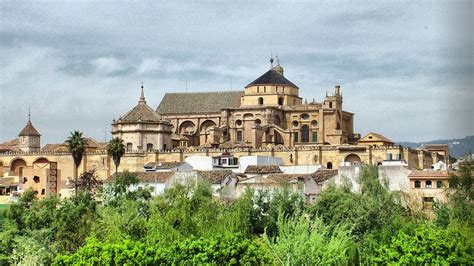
(29, 137)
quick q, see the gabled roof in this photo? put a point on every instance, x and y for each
(374, 137)
(140, 113)
(272, 77)
(9, 146)
(262, 169)
(29, 130)
(198, 102)
(163, 165)
(214, 176)
(429, 174)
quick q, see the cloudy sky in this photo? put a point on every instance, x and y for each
(405, 68)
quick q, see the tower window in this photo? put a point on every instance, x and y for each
(280, 101)
(36, 179)
(315, 136)
(295, 137)
(239, 135)
(305, 133)
(129, 146)
(260, 101)
(330, 105)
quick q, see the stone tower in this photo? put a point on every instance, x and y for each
(29, 137)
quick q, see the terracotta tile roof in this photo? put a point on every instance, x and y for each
(163, 165)
(262, 169)
(322, 175)
(54, 147)
(214, 176)
(29, 130)
(11, 145)
(198, 102)
(428, 174)
(147, 177)
(271, 77)
(142, 112)
(374, 137)
(319, 176)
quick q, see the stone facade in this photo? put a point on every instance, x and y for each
(269, 112)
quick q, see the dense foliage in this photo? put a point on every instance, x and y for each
(187, 225)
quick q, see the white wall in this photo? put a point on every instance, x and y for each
(300, 169)
(202, 163)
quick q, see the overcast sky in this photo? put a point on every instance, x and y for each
(405, 68)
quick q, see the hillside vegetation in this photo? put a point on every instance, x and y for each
(187, 225)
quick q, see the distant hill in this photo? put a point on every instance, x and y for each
(457, 147)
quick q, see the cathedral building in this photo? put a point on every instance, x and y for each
(267, 113)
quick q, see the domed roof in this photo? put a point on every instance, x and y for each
(272, 77)
(141, 113)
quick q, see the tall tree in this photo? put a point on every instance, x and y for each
(116, 149)
(77, 146)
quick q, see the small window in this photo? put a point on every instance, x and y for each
(239, 135)
(439, 184)
(238, 122)
(149, 147)
(314, 123)
(42, 192)
(295, 123)
(260, 101)
(329, 165)
(295, 137)
(304, 116)
(417, 184)
(129, 146)
(258, 121)
(330, 105)
(429, 184)
(36, 179)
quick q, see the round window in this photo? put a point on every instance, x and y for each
(258, 121)
(304, 116)
(238, 122)
(314, 123)
(295, 123)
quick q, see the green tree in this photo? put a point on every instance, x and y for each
(89, 181)
(77, 146)
(116, 149)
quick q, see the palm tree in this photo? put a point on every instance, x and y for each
(116, 149)
(77, 145)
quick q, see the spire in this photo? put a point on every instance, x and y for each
(142, 96)
(29, 115)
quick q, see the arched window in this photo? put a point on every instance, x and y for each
(305, 133)
(260, 101)
(429, 184)
(329, 165)
(417, 184)
(280, 101)
(129, 146)
(149, 147)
